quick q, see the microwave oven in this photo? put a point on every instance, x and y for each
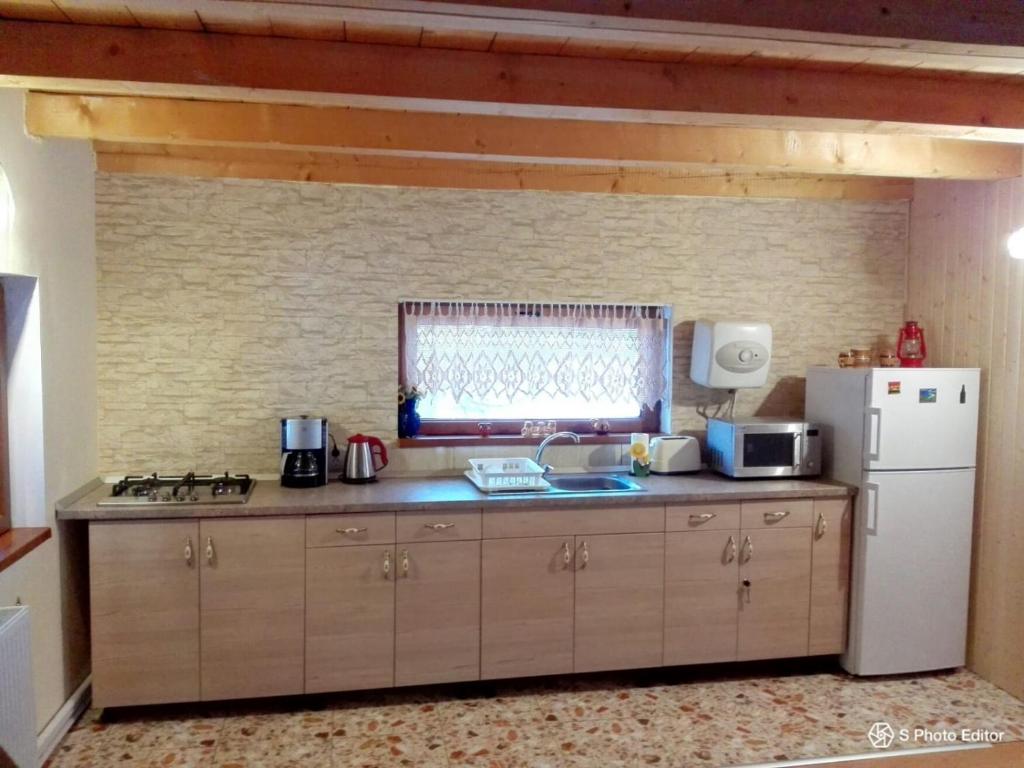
(758, 447)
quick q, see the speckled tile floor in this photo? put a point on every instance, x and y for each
(671, 718)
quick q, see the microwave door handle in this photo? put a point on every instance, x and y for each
(798, 454)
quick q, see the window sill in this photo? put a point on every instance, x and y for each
(456, 441)
(18, 542)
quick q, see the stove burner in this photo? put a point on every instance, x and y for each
(154, 489)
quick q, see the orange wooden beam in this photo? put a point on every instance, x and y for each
(121, 60)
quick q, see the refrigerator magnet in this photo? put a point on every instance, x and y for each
(927, 395)
(894, 387)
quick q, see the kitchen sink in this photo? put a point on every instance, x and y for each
(591, 484)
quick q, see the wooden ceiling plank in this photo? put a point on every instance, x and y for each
(270, 126)
(32, 10)
(667, 55)
(113, 12)
(118, 60)
(235, 19)
(998, 23)
(182, 18)
(463, 40)
(357, 169)
(383, 35)
(529, 44)
(601, 49)
(380, 21)
(289, 27)
(686, 19)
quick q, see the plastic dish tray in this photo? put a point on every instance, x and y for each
(503, 475)
(538, 487)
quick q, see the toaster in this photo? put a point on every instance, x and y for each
(675, 454)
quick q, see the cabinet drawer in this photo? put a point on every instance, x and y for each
(439, 526)
(515, 523)
(350, 530)
(702, 517)
(781, 513)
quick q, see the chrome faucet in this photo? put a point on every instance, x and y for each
(547, 441)
(188, 481)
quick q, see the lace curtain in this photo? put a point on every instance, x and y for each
(509, 359)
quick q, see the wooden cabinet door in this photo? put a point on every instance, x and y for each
(252, 595)
(437, 612)
(775, 608)
(350, 618)
(145, 612)
(830, 575)
(701, 596)
(619, 611)
(526, 607)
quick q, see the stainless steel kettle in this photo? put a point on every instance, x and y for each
(365, 456)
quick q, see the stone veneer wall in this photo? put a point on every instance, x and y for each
(224, 305)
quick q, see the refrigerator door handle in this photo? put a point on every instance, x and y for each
(873, 428)
(871, 507)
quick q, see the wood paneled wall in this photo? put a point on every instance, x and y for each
(969, 295)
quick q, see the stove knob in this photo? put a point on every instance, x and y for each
(165, 497)
(153, 496)
(193, 497)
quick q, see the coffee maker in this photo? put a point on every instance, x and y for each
(303, 452)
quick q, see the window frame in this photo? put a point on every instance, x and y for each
(648, 420)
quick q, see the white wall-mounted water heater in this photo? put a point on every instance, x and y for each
(731, 355)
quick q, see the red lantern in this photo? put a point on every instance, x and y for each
(911, 349)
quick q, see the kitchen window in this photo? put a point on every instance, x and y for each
(510, 362)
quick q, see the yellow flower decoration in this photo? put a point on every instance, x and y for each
(638, 451)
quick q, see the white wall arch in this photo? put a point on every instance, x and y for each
(48, 268)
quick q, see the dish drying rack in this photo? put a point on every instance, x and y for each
(507, 475)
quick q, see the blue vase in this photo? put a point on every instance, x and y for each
(408, 419)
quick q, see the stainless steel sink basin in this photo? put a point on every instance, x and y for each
(592, 484)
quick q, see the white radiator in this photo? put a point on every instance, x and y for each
(17, 700)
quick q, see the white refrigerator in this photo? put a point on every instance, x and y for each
(907, 438)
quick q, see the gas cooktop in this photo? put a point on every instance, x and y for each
(177, 490)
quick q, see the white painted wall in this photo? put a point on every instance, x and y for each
(52, 359)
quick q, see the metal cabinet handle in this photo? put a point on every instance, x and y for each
(774, 517)
(748, 550)
(387, 563)
(566, 553)
(746, 590)
(439, 526)
(405, 563)
(730, 549)
(210, 554)
(349, 531)
(188, 550)
(703, 517)
(586, 555)
(821, 526)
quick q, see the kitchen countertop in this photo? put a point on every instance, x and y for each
(423, 493)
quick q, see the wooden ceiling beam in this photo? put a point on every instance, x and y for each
(951, 38)
(480, 137)
(121, 60)
(288, 165)
(997, 22)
